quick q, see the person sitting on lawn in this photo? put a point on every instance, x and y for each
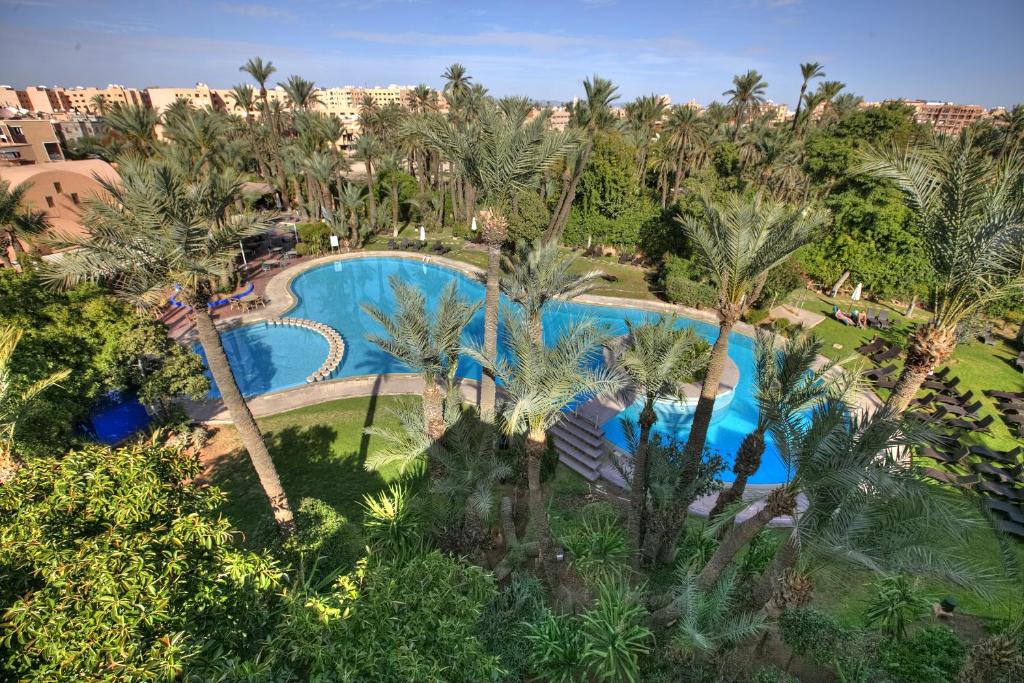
(841, 316)
(862, 319)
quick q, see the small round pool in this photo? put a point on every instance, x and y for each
(272, 358)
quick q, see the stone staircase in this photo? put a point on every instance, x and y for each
(581, 447)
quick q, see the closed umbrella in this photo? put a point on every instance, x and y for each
(856, 292)
(473, 226)
(423, 234)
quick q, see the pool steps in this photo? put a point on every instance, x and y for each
(335, 345)
(581, 447)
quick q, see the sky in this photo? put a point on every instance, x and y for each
(948, 50)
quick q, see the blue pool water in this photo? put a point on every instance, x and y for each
(271, 358)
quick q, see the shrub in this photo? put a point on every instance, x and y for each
(505, 623)
(932, 655)
(113, 568)
(897, 602)
(529, 219)
(772, 674)
(783, 326)
(314, 238)
(597, 543)
(615, 637)
(781, 281)
(686, 292)
(324, 541)
(556, 649)
(810, 633)
(391, 523)
(756, 316)
(758, 555)
(696, 547)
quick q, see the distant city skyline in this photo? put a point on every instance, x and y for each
(940, 50)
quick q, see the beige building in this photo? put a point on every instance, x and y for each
(947, 118)
(26, 141)
(58, 189)
(83, 99)
(40, 98)
(199, 97)
(9, 98)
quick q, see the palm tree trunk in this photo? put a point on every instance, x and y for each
(243, 420)
(928, 347)
(641, 166)
(561, 215)
(678, 171)
(433, 408)
(536, 445)
(748, 459)
(470, 207)
(394, 208)
(799, 101)
(371, 196)
(694, 449)
(638, 485)
(488, 389)
(663, 181)
(785, 558)
(739, 122)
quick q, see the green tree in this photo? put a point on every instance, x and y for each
(809, 71)
(539, 273)
(135, 125)
(159, 231)
(737, 243)
(369, 151)
(426, 341)
(162, 583)
(18, 222)
(538, 382)
(644, 116)
(656, 358)
(970, 210)
(16, 395)
(747, 90)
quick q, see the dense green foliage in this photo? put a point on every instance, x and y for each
(810, 633)
(931, 655)
(105, 344)
(111, 568)
(682, 285)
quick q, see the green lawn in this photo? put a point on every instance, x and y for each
(978, 366)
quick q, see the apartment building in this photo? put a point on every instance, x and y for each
(9, 98)
(200, 96)
(70, 126)
(84, 99)
(947, 118)
(25, 141)
(40, 98)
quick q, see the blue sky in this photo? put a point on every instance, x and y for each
(934, 49)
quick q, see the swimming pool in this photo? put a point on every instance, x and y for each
(270, 358)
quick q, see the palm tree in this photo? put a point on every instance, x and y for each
(862, 504)
(98, 103)
(457, 82)
(737, 243)
(369, 150)
(590, 115)
(787, 385)
(747, 89)
(302, 94)
(425, 341)
(261, 73)
(538, 382)
(710, 620)
(644, 115)
(136, 125)
(687, 134)
(15, 399)
(18, 222)
(499, 158)
(389, 165)
(656, 358)
(353, 198)
(809, 71)
(538, 273)
(970, 212)
(161, 231)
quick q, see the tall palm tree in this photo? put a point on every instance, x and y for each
(160, 231)
(862, 505)
(536, 274)
(645, 114)
(16, 399)
(747, 89)
(19, 223)
(353, 198)
(538, 382)
(809, 71)
(656, 358)
(498, 158)
(136, 125)
(369, 150)
(261, 72)
(590, 116)
(389, 165)
(302, 94)
(687, 134)
(244, 98)
(457, 82)
(788, 384)
(425, 341)
(98, 104)
(970, 211)
(737, 243)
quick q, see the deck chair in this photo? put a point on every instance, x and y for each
(873, 346)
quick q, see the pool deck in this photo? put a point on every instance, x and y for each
(275, 287)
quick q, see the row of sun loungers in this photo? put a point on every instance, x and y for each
(996, 476)
(1011, 408)
(880, 351)
(417, 245)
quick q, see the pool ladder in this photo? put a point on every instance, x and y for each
(335, 345)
